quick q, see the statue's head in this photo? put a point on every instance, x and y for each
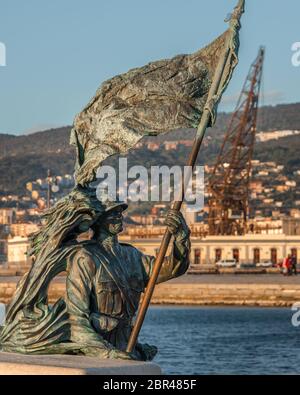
(111, 221)
(68, 218)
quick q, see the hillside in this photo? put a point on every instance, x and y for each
(26, 158)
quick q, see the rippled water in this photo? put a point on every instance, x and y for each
(224, 340)
(210, 340)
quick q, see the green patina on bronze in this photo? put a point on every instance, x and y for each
(105, 279)
(151, 100)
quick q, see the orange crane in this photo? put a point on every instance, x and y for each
(229, 182)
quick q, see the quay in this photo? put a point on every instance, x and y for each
(230, 289)
(18, 364)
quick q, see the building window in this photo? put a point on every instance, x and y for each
(197, 256)
(274, 256)
(218, 254)
(294, 254)
(236, 254)
(256, 255)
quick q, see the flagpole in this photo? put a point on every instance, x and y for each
(204, 123)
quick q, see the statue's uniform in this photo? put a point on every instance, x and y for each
(104, 287)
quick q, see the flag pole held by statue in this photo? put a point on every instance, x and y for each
(222, 76)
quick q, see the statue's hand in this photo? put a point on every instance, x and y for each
(117, 354)
(146, 351)
(176, 224)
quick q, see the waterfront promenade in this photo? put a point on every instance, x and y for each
(207, 289)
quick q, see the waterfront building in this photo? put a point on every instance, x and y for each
(7, 216)
(251, 248)
(23, 229)
(207, 250)
(291, 226)
(17, 248)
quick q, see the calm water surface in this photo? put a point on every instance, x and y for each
(198, 340)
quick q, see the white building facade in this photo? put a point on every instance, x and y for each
(17, 248)
(245, 249)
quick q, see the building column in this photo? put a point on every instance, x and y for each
(207, 254)
(284, 250)
(247, 253)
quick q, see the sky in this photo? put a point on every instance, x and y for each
(58, 52)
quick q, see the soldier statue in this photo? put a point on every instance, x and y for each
(105, 281)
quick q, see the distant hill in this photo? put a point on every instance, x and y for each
(26, 158)
(49, 141)
(285, 151)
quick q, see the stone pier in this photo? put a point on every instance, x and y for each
(17, 364)
(230, 290)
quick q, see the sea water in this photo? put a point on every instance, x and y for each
(212, 340)
(233, 340)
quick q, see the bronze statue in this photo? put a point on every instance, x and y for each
(105, 279)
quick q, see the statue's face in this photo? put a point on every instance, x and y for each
(112, 222)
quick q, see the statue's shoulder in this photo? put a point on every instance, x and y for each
(126, 245)
(129, 247)
(84, 247)
(131, 253)
(83, 254)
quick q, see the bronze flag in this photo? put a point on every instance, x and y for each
(160, 97)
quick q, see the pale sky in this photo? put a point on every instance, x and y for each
(58, 52)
